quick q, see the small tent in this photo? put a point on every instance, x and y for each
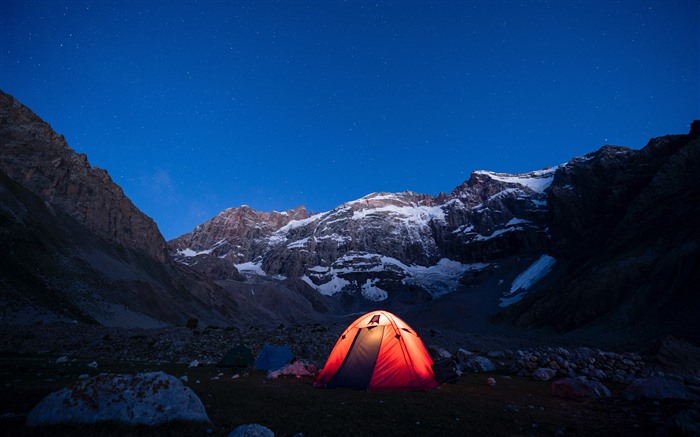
(376, 352)
(273, 357)
(238, 356)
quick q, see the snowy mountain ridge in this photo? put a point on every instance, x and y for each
(587, 243)
(380, 242)
(606, 243)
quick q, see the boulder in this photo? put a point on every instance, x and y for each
(544, 373)
(579, 388)
(679, 355)
(657, 387)
(141, 399)
(685, 422)
(478, 364)
(251, 430)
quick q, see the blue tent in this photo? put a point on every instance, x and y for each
(273, 357)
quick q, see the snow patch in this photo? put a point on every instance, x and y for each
(442, 278)
(299, 244)
(252, 268)
(372, 292)
(335, 285)
(537, 181)
(538, 270)
(438, 279)
(419, 215)
(190, 253)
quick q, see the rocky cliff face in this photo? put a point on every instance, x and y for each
(33, 155)
(628, 220)
(385, 243)
(75, 248)
(612, 234)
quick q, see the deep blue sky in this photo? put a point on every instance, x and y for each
(194, 107)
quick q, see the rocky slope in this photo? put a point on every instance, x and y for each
(603, 243)
(75, 248)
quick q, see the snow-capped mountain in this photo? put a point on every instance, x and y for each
(606, 239)
(371, 246)
(605, 244)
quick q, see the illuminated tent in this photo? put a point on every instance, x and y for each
(378, 351)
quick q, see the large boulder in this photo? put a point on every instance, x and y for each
(678, 355)
(251, 430)
(478, 364)
(657, 387)
(685, 422)
(579, 387)
(544, 373)
(142, 399)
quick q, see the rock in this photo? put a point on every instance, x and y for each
(478, 364)
(118, 270)
(579, 388)
(142, 399)
(464, 355)
(657, 387)
(597, 373)
(251, 430)
(622, 377)
(679, 355)
(686, 422)
(192, 323)
(437, 351)
(41, 160)
(544, 374)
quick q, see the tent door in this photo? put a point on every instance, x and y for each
(358, 366)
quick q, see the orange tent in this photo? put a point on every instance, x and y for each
(378, 351)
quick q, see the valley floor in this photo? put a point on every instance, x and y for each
(289, 405)
(30, 369)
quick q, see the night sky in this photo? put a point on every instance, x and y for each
(194, 107)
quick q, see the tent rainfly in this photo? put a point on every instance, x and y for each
(273, 357)
(238, 356)
(378, 352)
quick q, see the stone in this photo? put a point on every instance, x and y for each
(141, 399)
(251, 430)
(438, 351)
(657, 387)
(478, 364)
(685, 422)
(677, 354)
(544, 373)
(579, 388)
